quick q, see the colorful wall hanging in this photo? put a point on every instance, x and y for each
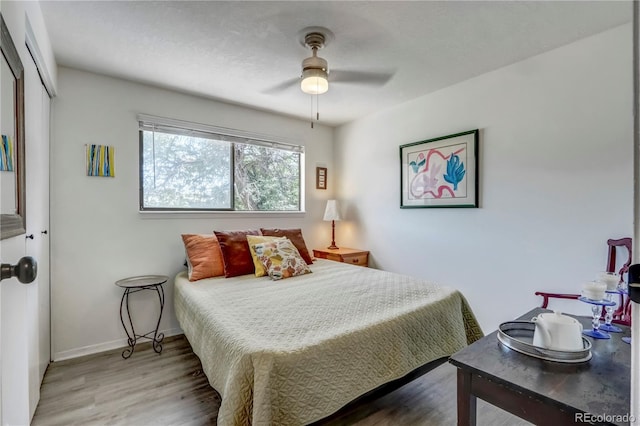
(100, 160)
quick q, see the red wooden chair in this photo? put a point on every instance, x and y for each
(622, 315)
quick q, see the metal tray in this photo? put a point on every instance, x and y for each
(518, 336)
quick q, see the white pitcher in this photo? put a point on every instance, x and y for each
(558, 332)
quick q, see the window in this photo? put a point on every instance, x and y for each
(189, 166)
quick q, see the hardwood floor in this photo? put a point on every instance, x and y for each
(170, 389)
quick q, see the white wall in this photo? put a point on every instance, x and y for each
(98, 236)
(20, 313)
(555, 178)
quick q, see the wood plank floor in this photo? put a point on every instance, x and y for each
(170, 389)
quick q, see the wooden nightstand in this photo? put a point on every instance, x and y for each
(345, 255)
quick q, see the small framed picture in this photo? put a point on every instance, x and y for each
(100, 160)
(321, 178)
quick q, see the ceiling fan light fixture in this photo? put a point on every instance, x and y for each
(314, 81)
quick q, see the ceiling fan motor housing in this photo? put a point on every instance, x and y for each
(315, 63)
(315, 41)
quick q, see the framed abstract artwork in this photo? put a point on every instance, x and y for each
(100, 160)
(440, 172)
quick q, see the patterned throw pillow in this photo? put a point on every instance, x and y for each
(257, 239)
(281, 259)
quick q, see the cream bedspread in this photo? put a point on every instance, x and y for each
(294, 351)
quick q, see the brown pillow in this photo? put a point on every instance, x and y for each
(295, 235)
(235, 252)
(204, 258)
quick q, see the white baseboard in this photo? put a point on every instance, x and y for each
(106, 346)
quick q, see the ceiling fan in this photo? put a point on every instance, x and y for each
(315, 76)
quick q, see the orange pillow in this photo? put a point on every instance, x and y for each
(204, 257)
(295, 235)
(235, 252)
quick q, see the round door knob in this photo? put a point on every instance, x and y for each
(25, 270)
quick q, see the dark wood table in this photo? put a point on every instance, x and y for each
(546, 392)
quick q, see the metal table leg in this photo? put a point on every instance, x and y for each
(131, 338)
(158, 338)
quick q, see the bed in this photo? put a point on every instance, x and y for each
(294, 351)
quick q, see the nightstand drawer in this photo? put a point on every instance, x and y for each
(344, 255)
(358, 259)
(331, 256)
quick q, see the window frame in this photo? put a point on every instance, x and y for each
(232, 136)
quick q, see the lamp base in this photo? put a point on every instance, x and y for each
(333, 245)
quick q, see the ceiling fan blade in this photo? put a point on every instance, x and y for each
(282, 86)
(360, 77)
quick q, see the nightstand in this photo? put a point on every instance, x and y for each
(345, 255)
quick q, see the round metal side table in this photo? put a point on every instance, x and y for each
(134, 285)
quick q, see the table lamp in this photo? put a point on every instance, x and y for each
(331, 213)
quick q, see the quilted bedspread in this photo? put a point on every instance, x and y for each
(291, 352)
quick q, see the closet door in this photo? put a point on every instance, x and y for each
(37, 110)
(44, 289)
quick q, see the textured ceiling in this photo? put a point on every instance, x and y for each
(236, 51)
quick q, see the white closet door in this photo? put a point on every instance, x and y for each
(37, 109)
(44, 287)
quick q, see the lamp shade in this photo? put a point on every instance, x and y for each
(331, 211)
(314, 81)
